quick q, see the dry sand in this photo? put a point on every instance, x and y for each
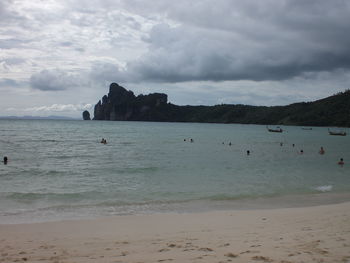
(311, 234)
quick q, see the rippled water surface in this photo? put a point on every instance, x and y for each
(60, 170)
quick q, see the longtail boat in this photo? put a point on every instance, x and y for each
(339, 133)
(274, 130)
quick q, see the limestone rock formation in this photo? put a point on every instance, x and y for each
(86, 116)
(122, 105)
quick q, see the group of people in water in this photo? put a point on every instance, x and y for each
(321, 151)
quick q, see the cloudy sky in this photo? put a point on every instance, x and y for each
(58, 57)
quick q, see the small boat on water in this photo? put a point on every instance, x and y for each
(278, 129)
(339, 133)
(307, 128)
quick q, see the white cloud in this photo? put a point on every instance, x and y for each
(60, 108)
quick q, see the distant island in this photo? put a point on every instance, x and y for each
(122, 105)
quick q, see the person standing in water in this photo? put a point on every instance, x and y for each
(341, 162)
(321, 151)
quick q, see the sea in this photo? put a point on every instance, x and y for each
(59, 169)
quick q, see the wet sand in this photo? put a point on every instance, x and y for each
(307, 234)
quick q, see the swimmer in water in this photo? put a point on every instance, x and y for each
(341, 162)
(248, 152)
(301, 152)
(5, 160)
(321, 151)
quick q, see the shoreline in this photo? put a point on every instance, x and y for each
(285, 235)
(186, 207)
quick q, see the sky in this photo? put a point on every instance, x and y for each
(58, 57)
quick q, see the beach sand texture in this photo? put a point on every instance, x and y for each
(309, 234)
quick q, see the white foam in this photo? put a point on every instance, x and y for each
(324, 188)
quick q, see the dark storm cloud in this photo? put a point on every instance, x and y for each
(54, 80)
(244, 40)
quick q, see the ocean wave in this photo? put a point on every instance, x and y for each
(324, 188)
(35, 196)
(136, 170)
(226, 197)
(84, 199)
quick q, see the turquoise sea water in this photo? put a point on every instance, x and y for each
(60, 170)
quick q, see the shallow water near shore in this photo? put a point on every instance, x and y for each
(60, 170)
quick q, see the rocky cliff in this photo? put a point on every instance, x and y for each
(86, 116)
(122, 105)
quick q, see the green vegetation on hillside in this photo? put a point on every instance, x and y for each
(121, 104)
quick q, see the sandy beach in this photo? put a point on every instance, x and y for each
(309, 234)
